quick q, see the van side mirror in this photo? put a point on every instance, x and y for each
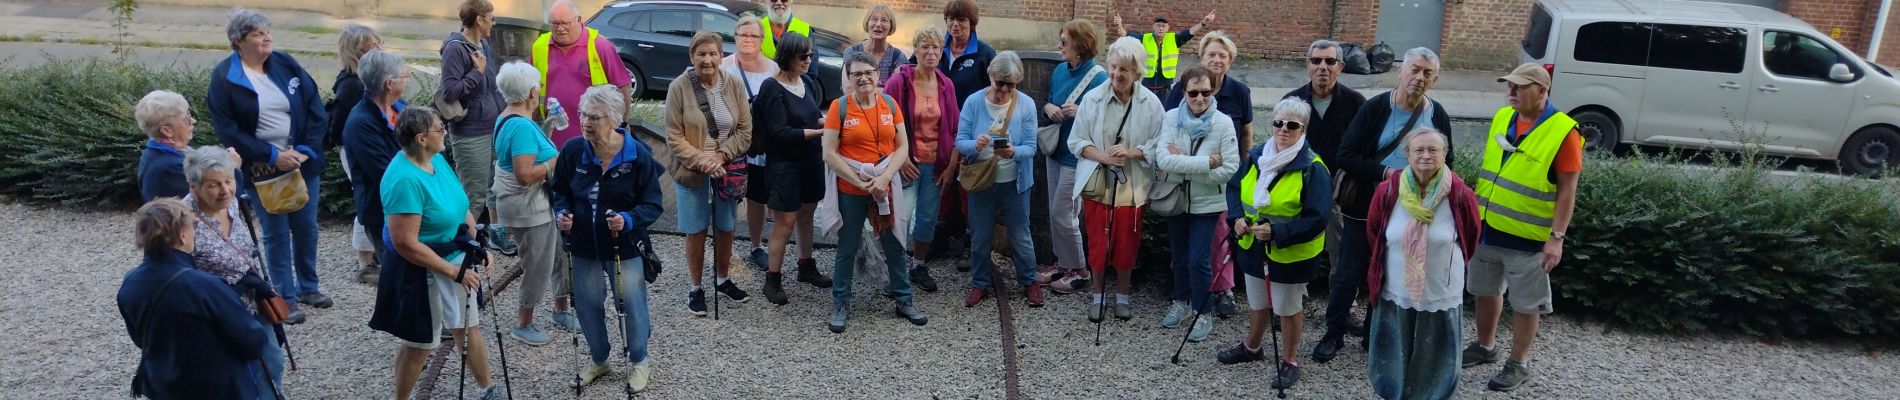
(1840, 73)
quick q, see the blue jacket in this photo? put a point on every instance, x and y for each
(970, 71)
(161, 172)
(345, 92)
(233, 103)
(1062, 80)
(975, 120)
(203, 344)
(402, 306)
(1316, 207)
(630, 187)
(370, 142)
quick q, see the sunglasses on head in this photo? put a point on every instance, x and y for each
(1291, 125)
(1329, 61)
(1200, 93)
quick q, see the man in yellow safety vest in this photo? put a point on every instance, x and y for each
(778, 24)
(1163, 47)
(568, 68)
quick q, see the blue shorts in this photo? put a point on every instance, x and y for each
(697, 210)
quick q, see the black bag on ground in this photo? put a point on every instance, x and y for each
(1355, 59)
(1381, 58)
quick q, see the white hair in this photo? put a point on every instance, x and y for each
(1422, 132)
(1006, 67)
(242, 21)
(517, 81)
(549, 16)
(1128, 50)
(1292, 109)
(1420, 52)
(376, 69)
(207, 158)
(607, 100)
(1321, 44)
(158, 108)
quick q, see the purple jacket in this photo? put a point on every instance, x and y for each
(899, 88)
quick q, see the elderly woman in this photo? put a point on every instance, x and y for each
(999, 123)
(428, 215)
(926, 98)
(787, 119)
(196, 338)
(753, 69)
(469, 69)
(709, 128)
(859, 144)
(1234, 100)
(225, 249)
(1279, 207)
(165, 117)
(264, 104)
(369, 137)
(879, 24)
(352, 43)
(1196, 149)
(1417, 278)
(606, 196)
(969, 58)
(1076, 76)
(524, 162)
(1115, 129)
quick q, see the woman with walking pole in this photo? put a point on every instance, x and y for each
(606, 195)
(196, 340)
(227, 251)
(1114, 129)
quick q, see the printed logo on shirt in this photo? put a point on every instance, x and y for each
(968, 63)
(294, 82)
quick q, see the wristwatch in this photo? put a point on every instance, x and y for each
(1560, 236)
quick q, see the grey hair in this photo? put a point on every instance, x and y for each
(1006, 67)
(241, 22)
(1422, 132)
(376, 69)
(1128, 50)
(1293, 109)
(158, 108)
(1321, 44)
(517, 81)
(207, 158)
(606, 99)
(1421, 52)
(350, 44)
(549, 16)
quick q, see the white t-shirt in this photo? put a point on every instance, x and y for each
(273, 111)
(1005, 167)
(753, 79)
(1444, 262)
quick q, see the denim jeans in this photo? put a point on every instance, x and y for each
(1349, 273)
(698, 210)
(853, 210)
(291, 239)
(590, 292)
(1191, 240)
(274, 361)
(1001, 201)
(923, 223)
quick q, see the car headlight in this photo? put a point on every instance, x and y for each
(835, 62)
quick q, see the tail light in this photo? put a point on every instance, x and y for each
(1552, 70)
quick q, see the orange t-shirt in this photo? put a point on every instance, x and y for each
(1569, 156)
(864, 135)
(923, 135)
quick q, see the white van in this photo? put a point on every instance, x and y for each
(1707, 75)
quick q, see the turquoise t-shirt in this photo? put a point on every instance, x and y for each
(518, 136)
(438, 197)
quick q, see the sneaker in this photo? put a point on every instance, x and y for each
(920, 275)
(1035, 297)
(1071, 282)
(499, 240)
(1095, 312)
(974, 297)
(839, 313)
(531, 335)
(1047, 273)
(492, 392)
(370, 274)
(1240, 354)
(639, 378)
(315, 299)
(1329, 346)
(1513, 375)
(808, 273)
(296, 315)
(732, 291)
(445, 334)
(758, 259)
(910, 312)
(1224, 305)
(566, 320)
(774, 288)
(1289, 375)
(1176, 312)
(587, 376)
(696, 302)
(1122, 312)
(1476, 354)
(1202, 325)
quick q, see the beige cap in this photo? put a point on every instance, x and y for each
(1526, 74)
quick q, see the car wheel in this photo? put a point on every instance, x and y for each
(637, 82)
(1600, 132)
(1871, 151)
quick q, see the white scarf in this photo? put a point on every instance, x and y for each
(1270, 163)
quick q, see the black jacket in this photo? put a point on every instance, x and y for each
(202, 341)
(969, 71)
(630, 187)
(779, 120)
(1316, 207)
(1362, 140)
(1324, 131)
(349, 90)
(161, 172)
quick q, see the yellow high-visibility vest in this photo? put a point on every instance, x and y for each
(1164, 54)
(595, 71)
(769, 47)
(1286, 205)
(1517, 195)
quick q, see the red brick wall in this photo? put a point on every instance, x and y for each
(1483, 34)
(1890, 42)
(1852, 17)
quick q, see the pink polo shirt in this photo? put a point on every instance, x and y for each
(568, 79)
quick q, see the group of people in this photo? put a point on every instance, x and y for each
(940, 140)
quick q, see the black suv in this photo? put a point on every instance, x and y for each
(651, 37)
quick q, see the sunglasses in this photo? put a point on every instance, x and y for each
(1200, 93)
(1329, 61)
(805, 57)
(1289, 125)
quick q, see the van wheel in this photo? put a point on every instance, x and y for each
(1871, 151)
(1600, 132)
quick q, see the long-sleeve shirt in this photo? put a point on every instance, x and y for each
(629, 186)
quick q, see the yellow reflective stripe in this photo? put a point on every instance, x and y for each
(1518, 188)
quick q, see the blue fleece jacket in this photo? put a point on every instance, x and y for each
(202, 341)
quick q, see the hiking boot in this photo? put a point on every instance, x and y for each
(1122, 312)
(1035, 297)
(1476, 354)
(757, 259)
(566, 321)
(775, 288)
(1071, 282)
(910, 312)
(296, 315)
(316, 299)
(1177, 311)
(1513, 375)
(920, 275)
(1202, 325)
(498, 239)
(492, 392)
(1329, 346)
(839, 313)
(1095, 312)
(1239, 354)
(732, 291)
(588, 375)
(1224, 305)
(1047, 273)
(531, 335)
(1289, 375)
(696, 302)
(370, 274)
(974, 297)
(808, 273)
(638, 379)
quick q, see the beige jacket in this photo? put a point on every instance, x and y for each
(686, 126)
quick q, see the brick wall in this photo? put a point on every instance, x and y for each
(1851, 17)
(1483, 34)
(1890, 42)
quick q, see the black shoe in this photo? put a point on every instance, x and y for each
(316, 299)
(296, 315)
(732, 291)
(1239, 354)
(696, 302)
(1356, 330)
(1289, 375)
(921, 276)
(1224, 305)
(775, 288)
(757, 259)
(1328, 346)
(808, 273)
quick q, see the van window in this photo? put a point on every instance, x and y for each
(1797, 56)
(1698, 48)
(1537, 38)
(1610, 42)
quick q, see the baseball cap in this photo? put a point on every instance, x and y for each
(1526, 74)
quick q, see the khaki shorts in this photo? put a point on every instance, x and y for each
(1494, 269)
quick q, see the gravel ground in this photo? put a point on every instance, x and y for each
(758, 350)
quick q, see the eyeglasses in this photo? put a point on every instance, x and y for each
(564, 24)
(864, 74)
(1426, 151)
(751, 36)
(1200, 93)
(442, 131)
(189, 121)
(1329, 61)
(805, 57)
(1003, 84)
(1289, 125)
(590, 118)
(782, 1)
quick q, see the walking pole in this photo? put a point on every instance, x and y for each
(1102, 281)
(244, 211)
(576, 339)
(613, 274)
(1275, 317)
(481, 302)
(275, 393)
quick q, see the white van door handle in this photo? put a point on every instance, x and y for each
(1730, 86)
(1770, 89)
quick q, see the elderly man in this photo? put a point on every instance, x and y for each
(780, 22)
(568, 70)
(1532, 158)
(1162, 46)
(1333, 103)
(1367, 153)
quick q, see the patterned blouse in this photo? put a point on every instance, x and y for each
(226, 258)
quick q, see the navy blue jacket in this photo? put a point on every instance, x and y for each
(970, 71)
(204, 343)
(1316, 207)
(371, 143)
(631, 188)
(233, 104)
(161, 172)
(402, 291)
(348, 90)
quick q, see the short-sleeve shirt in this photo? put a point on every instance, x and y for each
(864, 135)
(437, 197)
(518, 136)
(569, 76)
(1569, 156)
(925, 131)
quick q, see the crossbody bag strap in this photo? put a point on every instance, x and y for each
(1386, 150)
(145, 331)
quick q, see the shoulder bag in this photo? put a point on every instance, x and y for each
(1169, 199)
(1048, 137)
(1097, 186)
(451, 108)
(977, 176)
(1346, 188)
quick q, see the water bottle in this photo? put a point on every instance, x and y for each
(557, 116)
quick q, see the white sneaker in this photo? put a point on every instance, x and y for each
(1201, 327)
(587, 376)
(639, 378)
(1177, 311)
